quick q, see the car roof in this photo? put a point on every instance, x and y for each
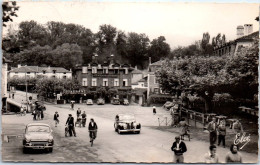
(38, 124)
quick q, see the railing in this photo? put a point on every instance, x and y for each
(165, 119)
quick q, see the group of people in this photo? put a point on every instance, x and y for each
(37, 112)
(179, 148)
(216, 131)
(92, 127)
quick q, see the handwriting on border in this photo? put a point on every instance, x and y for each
(242, 139)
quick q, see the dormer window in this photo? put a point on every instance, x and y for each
(125, 70)
(105, 70)
(54, 71)
(94, 69)
(43, 72)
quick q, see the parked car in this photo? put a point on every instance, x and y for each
(38, 136)
(126, 123)
(89, 102)
(116, 101)
(125, 102)
(168, 105)
(100, 101)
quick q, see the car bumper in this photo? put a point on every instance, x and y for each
(130, 130)
(37, 147)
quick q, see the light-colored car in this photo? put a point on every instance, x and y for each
(168, 105)
(126, 123)
(116, 101)
(38, 136)
(125, 102)
(100, 101)
(89, 102)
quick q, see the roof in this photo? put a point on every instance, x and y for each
(137, 71)
(248, 37)
(39, 69)
(37, 124)
(157, 63)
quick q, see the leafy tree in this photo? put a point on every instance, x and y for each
(9, 10)
(137, 48)
(159, 49)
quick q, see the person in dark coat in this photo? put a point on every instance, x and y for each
(56, 118)
(70, 122)
(78, 112)
(84, 118)
(178, 147)
(92, 127)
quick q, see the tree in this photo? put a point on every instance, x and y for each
(137, 49)
(159, 49)
(67, 55)
(9, 10)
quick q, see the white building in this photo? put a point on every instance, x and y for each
(36, 71)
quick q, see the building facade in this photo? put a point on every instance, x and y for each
(112, 75)
(36, 71)
(245, 38)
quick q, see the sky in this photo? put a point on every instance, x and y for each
(181, 23)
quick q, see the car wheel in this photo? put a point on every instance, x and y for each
(138, 132)
(118, 131)
(50, 149)
(25, 150)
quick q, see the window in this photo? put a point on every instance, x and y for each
(16, 73)
(105, 82)
(125, 83)
(116, 71)
(105, 70)
(84, 69)
(28, 72)
(156, 80)
(94, 69)
(116, 82)
(43, 72)
(64, 77)
(156, 90)
(53, 76)
(64, 73)
(126, 71)
(54, 71)
(84, 82)
(94, 82)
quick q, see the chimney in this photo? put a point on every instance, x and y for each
(112, 59)
(248, 29)
(136, 67)
(150, 60)
(240, 31)
(19, 65)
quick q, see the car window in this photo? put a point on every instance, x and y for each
(38, 129)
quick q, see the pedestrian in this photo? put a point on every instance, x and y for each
(56, 118)
(184, 128)
(211, 156)
(34, 113)
(72, 105)
(222, 133)
(154, 110)
(178, 147)
(212, 128)
(70, 122)
(237, 127)
(78, 112)
(233, 156)
(84, 118)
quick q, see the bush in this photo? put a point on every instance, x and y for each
(158, 99)
(222, 98)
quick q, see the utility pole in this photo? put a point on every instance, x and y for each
(26, 91)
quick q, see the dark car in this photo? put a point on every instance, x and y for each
(38, 136)
(126, 123)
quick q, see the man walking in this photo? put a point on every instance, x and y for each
(212, 128)
(70, 122)
(56, 118)
(178, 147)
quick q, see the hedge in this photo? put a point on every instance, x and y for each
(158, 99)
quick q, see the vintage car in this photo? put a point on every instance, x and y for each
(125, 102)
(100, 101)
(89, 102)
(116, 101)
(126, 123)
(38, 136)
